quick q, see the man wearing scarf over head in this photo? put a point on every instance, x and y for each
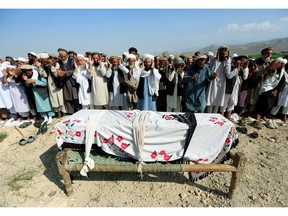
(147, 80)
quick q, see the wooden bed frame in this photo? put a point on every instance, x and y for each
(236, 168)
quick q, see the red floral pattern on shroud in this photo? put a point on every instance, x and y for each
(111, 139)
(78, 133)
(162, 152)
(119, 138)
(105, 141)
(153, 155)
(124, 145)
(59, 132)
(168, 117)
(167, 157)
(228, 140)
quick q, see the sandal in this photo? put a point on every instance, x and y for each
(31, 139)
(242, 130)
(257, 124)
(43, 128)
(23, 142)
(25, 124)
(254, 135)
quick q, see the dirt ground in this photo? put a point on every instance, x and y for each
(29, 178)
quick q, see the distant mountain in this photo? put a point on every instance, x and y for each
(279, 45)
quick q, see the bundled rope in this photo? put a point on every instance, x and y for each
(139, 126)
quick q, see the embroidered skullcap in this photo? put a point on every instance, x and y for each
(113, 57)
(21, 59)
(80, 55)
(211, 54)
(178, 60)
(200, 57)
(162, 59)
(53, 56)
(33, 53)
(26, 67)
(132, 56)
(44, 55)
(147, 55)
(224, 47)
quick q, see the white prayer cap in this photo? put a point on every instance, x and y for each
(211, 54)
(21, 59)
(86, 59)
(146, 55)
(33, 53)
(11, 66)
(132, 56)
(234, 55)
(44, 55)
(125, 54)
(171, 56)
(80, 55)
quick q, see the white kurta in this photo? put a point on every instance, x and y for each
(99, 88)
(216, 89)
(82, 79)
(18, 96)
(283, 95)
(5, 96)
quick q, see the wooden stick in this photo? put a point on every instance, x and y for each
(19, 131)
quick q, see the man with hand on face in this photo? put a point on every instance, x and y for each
(147, 80)
(175, 86)
(116, 84)
(70, 86)
(131, 82)
(220, 65)
(197, 78)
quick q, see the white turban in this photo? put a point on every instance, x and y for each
(132, 56)
(21, 59)
(33, 53)
(81, 55)
(44, 55)
(145, 56)
(171, 56)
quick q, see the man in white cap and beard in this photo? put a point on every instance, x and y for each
(147, 81)
(131, 82)
(82, 77)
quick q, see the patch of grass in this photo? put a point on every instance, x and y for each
(17, 181)
(3, 135)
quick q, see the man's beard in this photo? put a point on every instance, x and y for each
(114, 68)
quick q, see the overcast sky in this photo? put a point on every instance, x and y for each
(113, 30)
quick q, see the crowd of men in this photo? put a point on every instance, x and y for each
(47, 85)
